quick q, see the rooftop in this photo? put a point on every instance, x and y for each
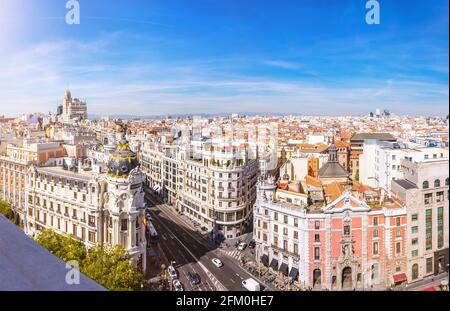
(26, 266)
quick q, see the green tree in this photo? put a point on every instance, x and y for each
(62, 246)
(357, 175)
(5, 209)
(111, 268)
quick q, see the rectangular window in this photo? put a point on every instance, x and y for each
(316, 253)
(430, 265)
(296, 248)
(295, 222)
(316, 237)
(91, 237)
(440, 227)
(275, 228)
(414, 217)
(275, 216)
(414, 229)
(317, 225)
(375, 248)
(428, 198)
(285, 219)
(296, 235)
(428, 229)
(415, 241)
(285, 231)
(375, 233)
(398, 233)
(398, 248)
(124, 225)
(375, 221)
(398, 221)
(414, 253)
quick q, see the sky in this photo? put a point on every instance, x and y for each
(158, 57)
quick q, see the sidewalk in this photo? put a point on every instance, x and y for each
(432, 281)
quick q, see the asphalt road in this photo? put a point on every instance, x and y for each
(192, 252)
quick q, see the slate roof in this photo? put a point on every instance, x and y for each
(26, 266)
(405, 184)
(379, 136)
(332, 169)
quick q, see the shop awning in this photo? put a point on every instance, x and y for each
(293, 273)
(274, 264)
(265, 260)
(400, 277)
(284, 268)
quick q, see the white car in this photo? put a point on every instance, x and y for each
(242, 246)
(173, 273)
(178, 286)
(217, 262)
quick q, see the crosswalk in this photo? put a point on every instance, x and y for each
(235, 254)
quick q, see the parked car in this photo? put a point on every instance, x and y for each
(251, 285)
(217, 262)
(177, 286)
(173, 272)
(242, 246)
(194, 278)
(252, 244)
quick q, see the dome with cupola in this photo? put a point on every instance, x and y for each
(122, 161)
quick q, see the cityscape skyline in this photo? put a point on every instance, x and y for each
(160, 58)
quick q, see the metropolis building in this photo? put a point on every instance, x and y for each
(94, 206)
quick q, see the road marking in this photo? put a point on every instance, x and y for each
(208, 273)
(232, 280)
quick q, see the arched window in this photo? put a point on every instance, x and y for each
(425, 185)
(446, 181)
(437, 183)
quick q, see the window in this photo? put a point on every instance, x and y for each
(275, 228)
(398, 221)
(285, 244)
(285, 231)
(91, 237)
(296, 235)
(430, 265)
(437, 183)
(429, 229)
(316, 237)
(415, 241)
(398, 248)
(375, 233)
(316, 253)
(447, 181)
(296, 248)
(414, 217)
(285, 219)
(346, 230)
(398, 233)
(124, 224)
(275, 216)
(414, 253)
(375, 248)
(375, 221)
(414, 229)
(317, 224)
(295, 222)
(440, 196)
(425, 185)
(440, 227)
(428, 198)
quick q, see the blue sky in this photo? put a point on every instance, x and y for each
(208, 56)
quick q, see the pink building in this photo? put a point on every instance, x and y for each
(344, 245)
